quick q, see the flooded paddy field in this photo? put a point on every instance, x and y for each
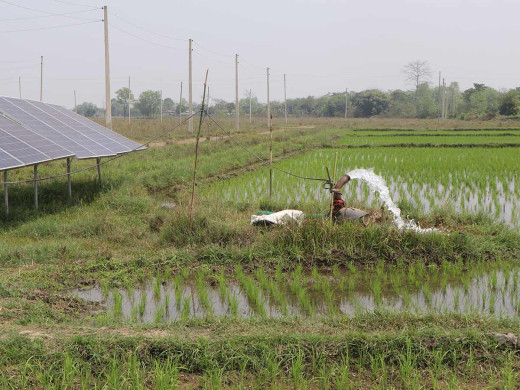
(468, 180)
(482, 289)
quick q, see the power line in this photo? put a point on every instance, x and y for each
(38, 10)
(146, 30)
(50, 16)
(73, 3)
(144, 39)
(50, 28)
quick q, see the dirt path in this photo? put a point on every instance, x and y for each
(188, 141)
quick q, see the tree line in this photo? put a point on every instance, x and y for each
(423, 101)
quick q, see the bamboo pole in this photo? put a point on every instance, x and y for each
(192, 203)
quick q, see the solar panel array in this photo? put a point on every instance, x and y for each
(34, 132)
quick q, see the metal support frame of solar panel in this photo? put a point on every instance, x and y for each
(17, 142)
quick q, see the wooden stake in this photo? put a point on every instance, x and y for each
(237, 102)
(190, 87)
(41, 80)
(192, 203)
(108, 104)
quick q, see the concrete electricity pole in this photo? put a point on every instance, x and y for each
(129, 101)
(161, 107)
(180, 105)
(346, 103)
(190, 87)
(237, 107)
(285, 96)
(41, 80)
(268, 103)
(108, 109)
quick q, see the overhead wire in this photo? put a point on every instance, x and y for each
(73, 3)
(39, 10)
(265, 162)
(144, 39)
(50, 27)
(66, 14)
(145, 29)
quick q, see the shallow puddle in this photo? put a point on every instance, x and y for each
(494, 293)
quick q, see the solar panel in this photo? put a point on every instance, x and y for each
(95, 148)
(109, 143)
(8, 162)
(48, 148)
(128, 143)
(42, 129)
(33, 132)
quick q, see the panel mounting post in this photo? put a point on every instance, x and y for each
(69, 183)
(36, 186)
(6, 197)
(98, 160)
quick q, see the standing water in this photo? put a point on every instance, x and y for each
(377, 184)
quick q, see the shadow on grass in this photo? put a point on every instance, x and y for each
(52, 199)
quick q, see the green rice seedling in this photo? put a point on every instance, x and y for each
(328, 293)
(509, 380)
(129, 290)
(336, 273)
(222, 285)
(185, 272)
(177, 286)
(142, 304)
(165, 375)
(297, 369)
(493, 280)
(407, 365)
(159, 314)
(186, 312)
(305, 301)
(69, 371)
(203, 295)
(377, 289)
(233, 304)
(167, 275)
(212, 379)
(279, 276)
(113, 377)
(118, 304)
(104, 288)
(379, 371)
(342, 378)
(157, 289)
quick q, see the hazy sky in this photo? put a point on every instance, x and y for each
(322, 45)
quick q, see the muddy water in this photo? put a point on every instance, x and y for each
(488, 294)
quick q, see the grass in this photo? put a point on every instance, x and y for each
(120, 237)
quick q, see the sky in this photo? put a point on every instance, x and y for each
(321, 45)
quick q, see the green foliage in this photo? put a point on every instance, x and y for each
(509, 103)
(149, 103)
(370, 103)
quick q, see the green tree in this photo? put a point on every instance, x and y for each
(125, 97)
(149, 103)
(370, 103)
(87, 109)
(509, 103)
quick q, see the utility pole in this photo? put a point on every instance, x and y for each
(75, 102)
(250, 105)
(285, 96)
(108, 109)
(237, 107)
(346, 103)
(20, 85)
(443, 108)
(268, 103)
(161, 105)
(180, 105)
(41, 80)
(129, 101)
(190, 101)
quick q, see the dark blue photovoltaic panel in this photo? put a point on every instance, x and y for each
(8, 162)
(128, 143)
(42, 129)
(96, 149)
(110, 144)
(48, 148)
(20, 150)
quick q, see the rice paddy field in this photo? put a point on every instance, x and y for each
(117, 289)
